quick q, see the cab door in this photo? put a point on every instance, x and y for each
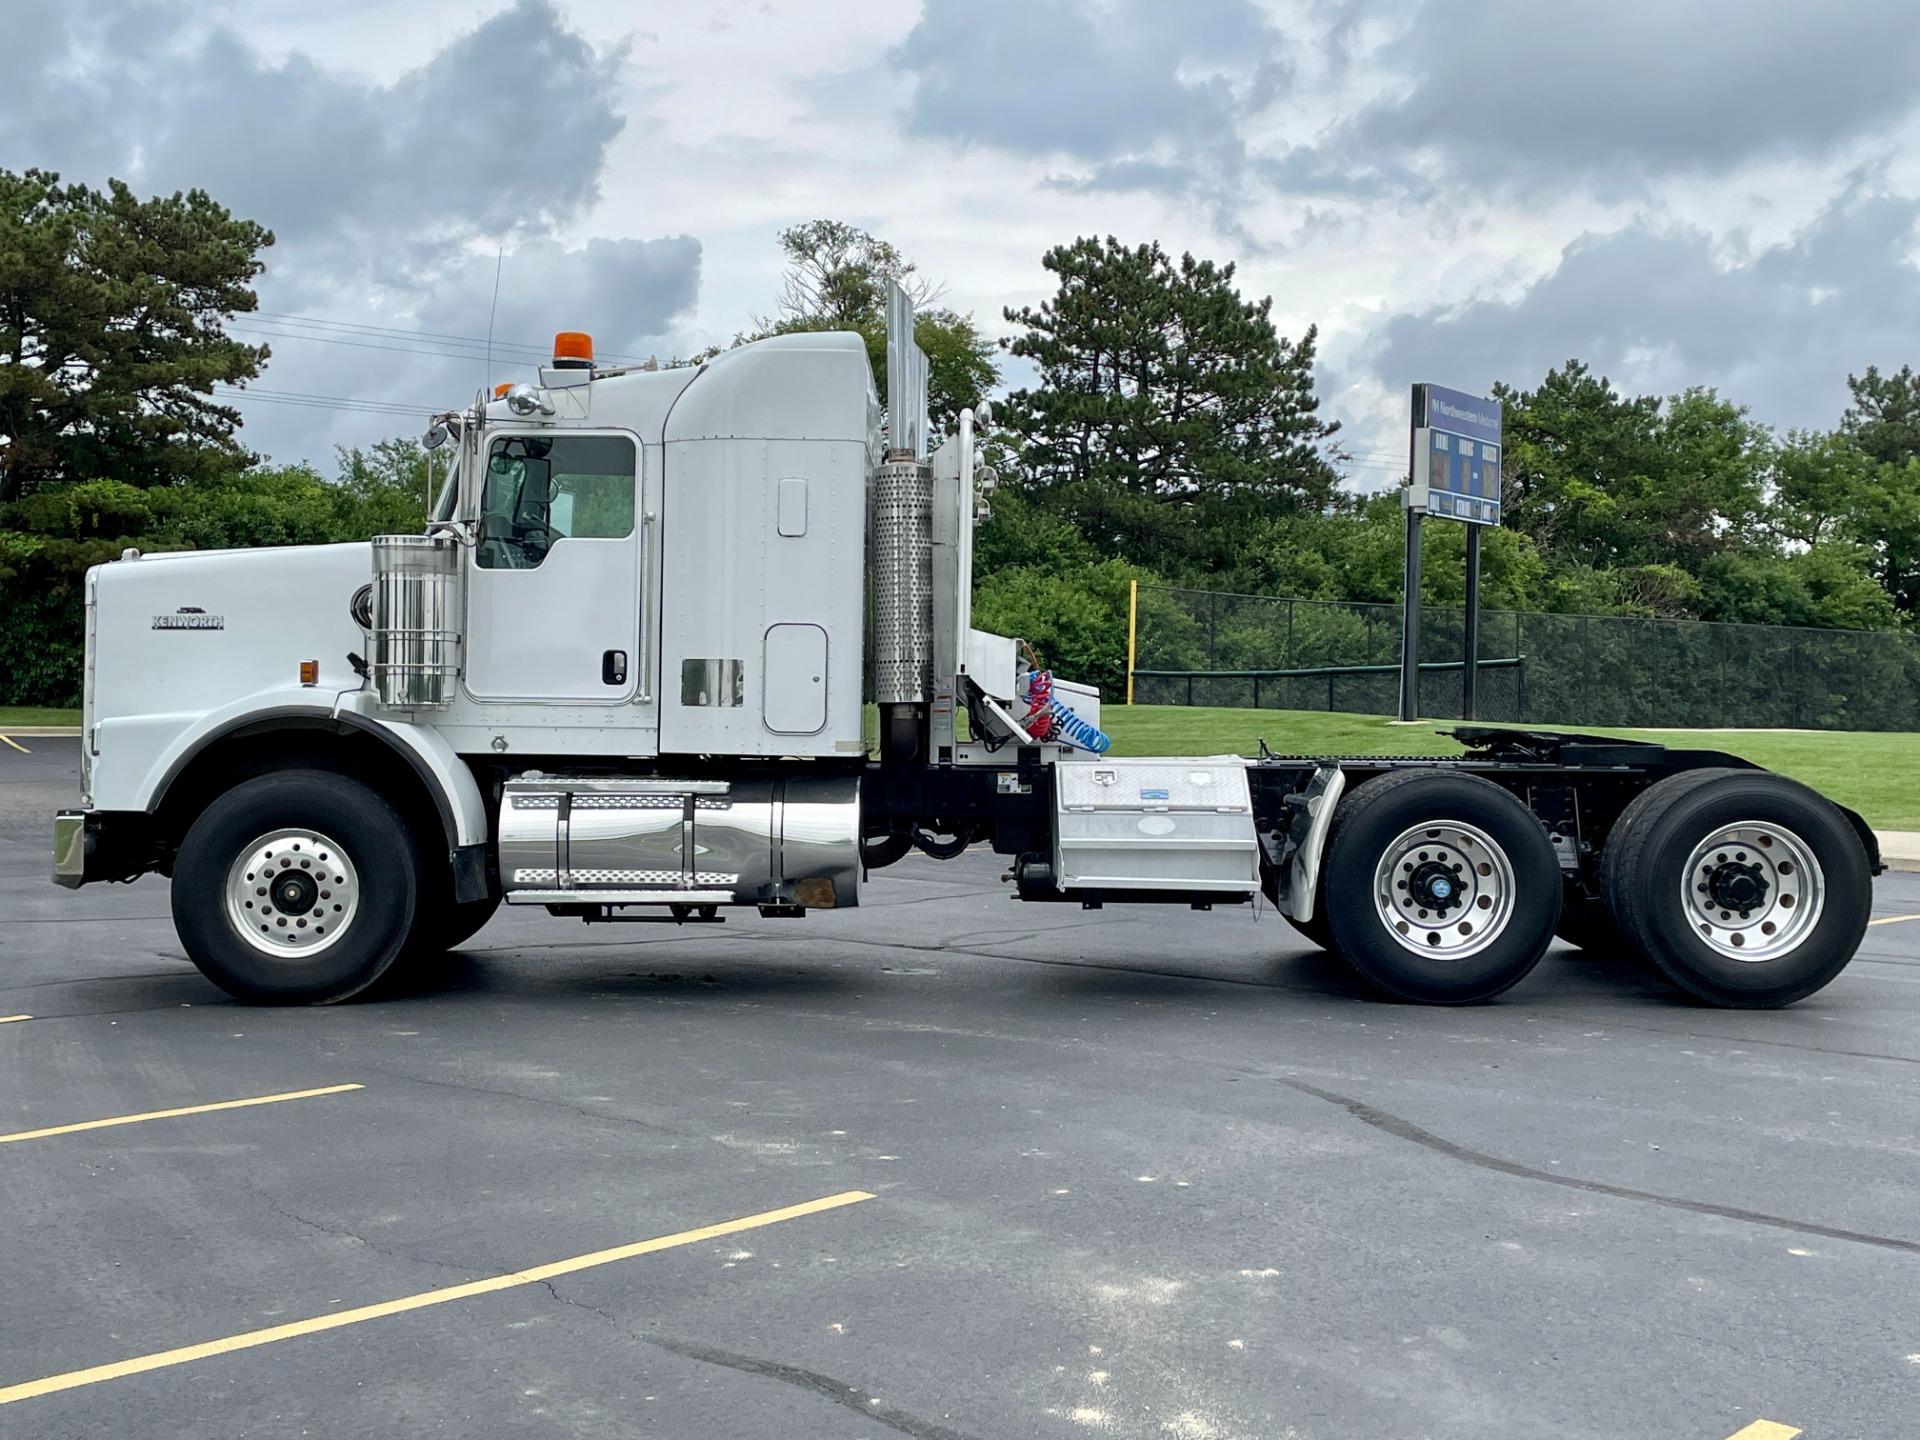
(554, 582)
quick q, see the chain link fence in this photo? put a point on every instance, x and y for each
(1198, 647)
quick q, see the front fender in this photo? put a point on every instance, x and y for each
(140, 757)
(447, 775)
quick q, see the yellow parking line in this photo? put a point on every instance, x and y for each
(4, 740)
(1765, 1430)
(170, 1114)
(13, 1019)
(1892, 919)
(247, 1340)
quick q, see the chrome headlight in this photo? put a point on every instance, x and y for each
(523, 399)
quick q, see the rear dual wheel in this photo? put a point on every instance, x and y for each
(1744, 888)
(1439, 887)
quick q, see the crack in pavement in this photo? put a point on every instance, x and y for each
(342, 1233)
(85, 919)
(550, 1102)
(108, 980)
(825, 1386)
(606, 1315)
(1704, 1036)
(1406, 1130)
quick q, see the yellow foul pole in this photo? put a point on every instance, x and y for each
(1133, 631)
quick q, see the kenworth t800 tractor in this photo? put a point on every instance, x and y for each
(683, 641)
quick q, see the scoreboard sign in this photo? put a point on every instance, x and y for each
(1456, 456)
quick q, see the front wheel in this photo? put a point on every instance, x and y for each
(447, 923)
(296, 889)
(1440, 887)
(1744, 888)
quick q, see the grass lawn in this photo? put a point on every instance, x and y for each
(1876, 774)
(24, 715)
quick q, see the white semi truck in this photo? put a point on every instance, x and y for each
(630, 672)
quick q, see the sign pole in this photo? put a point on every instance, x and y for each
(1470, 670)
(1453, 473)
(1410, 602)
(1410, 625)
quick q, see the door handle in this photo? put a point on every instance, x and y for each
(613, 667)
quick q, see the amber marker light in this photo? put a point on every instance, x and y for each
(573, 350)
(309, 672)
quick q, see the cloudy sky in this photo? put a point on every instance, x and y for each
(1703, 193)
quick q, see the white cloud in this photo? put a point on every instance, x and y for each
(1656, 310)
(1475, 192)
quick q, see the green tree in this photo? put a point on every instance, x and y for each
(838, 274)
(1830, 490)
(836, 279)
(1602, 481)
(386, 490)
(1169, 413)
(111, 338)
(1829, 586)
(1884, 420)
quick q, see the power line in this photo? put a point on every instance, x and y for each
(537, 352)
(373, 345)
(356, 326)
(344, 403)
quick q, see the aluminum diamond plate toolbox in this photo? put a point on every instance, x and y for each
(1154, 824)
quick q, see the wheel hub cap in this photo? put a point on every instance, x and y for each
(1437, 886)
(293, 892)
(1444, 889)
(1734, 886)
(1753, 891)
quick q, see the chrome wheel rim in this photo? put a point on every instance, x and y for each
(1753, 891)
(1444, 890)
(293, 892)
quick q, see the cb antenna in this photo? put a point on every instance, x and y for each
(499, 259)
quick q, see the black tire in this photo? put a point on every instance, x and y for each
(446, 923)
(1645, 869)
(1370, 822)
(1587, 925)
(383, 866)
(1317, 930)
(463, 920)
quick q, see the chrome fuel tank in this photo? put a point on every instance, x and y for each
(786, 841)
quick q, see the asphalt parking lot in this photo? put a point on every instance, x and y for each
(946, 1166)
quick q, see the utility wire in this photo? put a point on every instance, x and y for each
(274, 324)
(372, 345)
(324, 402)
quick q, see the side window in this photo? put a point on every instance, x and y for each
(543, 488)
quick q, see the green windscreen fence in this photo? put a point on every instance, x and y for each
(1198, 647)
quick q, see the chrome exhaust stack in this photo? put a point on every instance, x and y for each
(900, 525)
